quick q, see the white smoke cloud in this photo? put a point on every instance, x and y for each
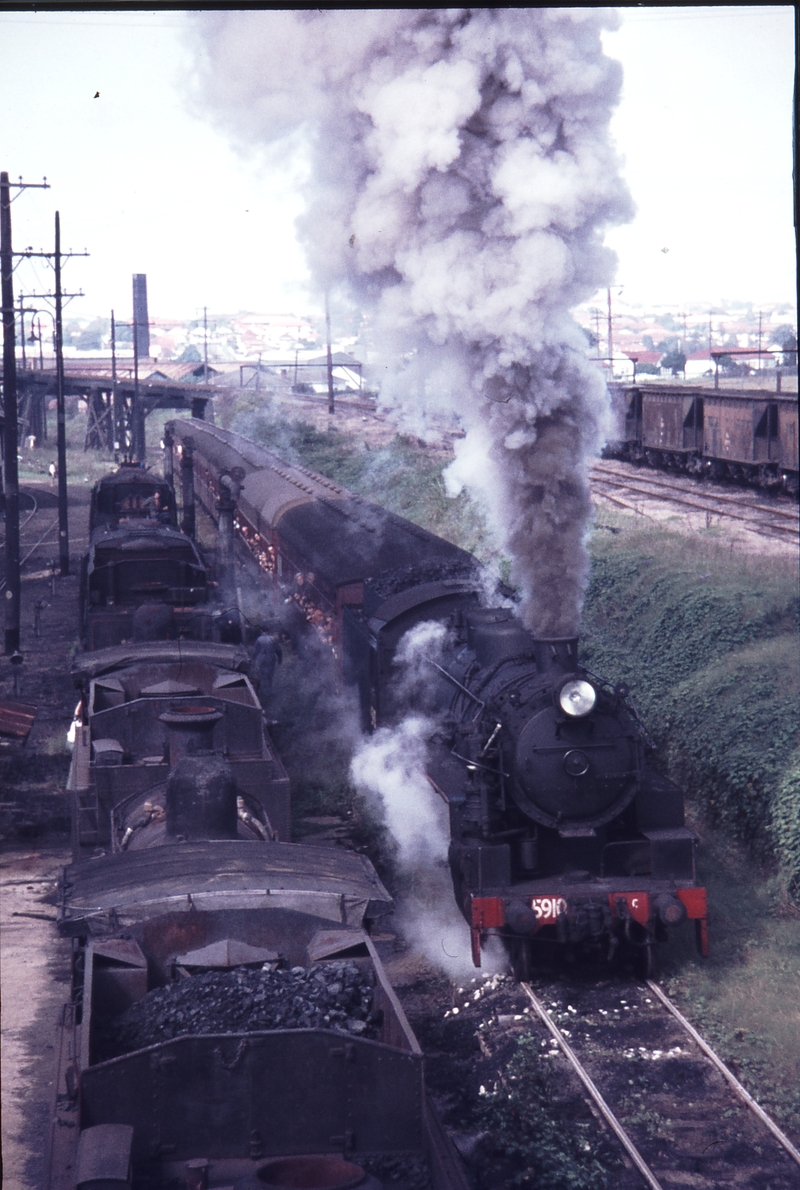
(462, 179)
(388, 769)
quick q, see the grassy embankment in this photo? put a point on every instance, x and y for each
(707, 641)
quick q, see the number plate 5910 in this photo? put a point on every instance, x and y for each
(548, 908)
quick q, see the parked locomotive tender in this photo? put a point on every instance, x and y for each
(142, 578)
(230, 1017)
(230, 1021)
(561, 832)
(747, 437)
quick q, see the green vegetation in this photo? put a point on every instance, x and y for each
(405, 476)
(743, 997)
(707, 642)
(527, 1142)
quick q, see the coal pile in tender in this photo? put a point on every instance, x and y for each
(331, 996)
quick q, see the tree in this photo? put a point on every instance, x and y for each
(674, 360)
(88, 340)
(785, 337)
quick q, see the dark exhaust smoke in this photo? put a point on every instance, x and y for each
(461, 179)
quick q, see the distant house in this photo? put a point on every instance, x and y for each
(190, 372)
(644, 361)
(644, 356)
(698, 364)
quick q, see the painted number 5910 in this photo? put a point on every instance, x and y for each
(548, 908)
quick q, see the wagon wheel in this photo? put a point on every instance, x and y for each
(646, 960)
(520, 952)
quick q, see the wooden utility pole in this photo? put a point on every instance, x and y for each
(10, 447)
(331, 405)
(11, 428)
(61, 416)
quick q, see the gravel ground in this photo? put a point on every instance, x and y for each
(35, 973)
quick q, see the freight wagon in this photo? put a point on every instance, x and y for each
(749, 437)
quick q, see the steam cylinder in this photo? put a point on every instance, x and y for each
(201, 799)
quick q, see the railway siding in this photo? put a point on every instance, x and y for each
(758, 522)
(677, 1107)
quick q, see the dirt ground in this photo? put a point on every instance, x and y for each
(34, 983)
(34, 844)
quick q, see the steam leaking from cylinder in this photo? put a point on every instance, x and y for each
(461, 179)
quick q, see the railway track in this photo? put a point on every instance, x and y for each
(779, 521)
(30, 513)
(39, 529)
(680, 1115)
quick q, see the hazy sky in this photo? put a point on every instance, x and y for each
(147, 185)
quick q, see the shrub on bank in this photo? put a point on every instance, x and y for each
(707, 641)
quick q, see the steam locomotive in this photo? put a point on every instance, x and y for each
(142, 578)
(562, 833)
(230, 1022)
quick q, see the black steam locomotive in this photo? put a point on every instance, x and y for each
(142, 578)
(561, 832)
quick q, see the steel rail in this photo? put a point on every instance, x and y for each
(678, 495)
(34, 510)
(30, 515)
(624, 503)
(689, 484)
(33, 549)
(753, 522)
(623, 478)
(741, 1091)
(583, 1075)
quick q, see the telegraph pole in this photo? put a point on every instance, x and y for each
(12, 592)
(11, 429)
(331, 406)
(61, 416)
(610, 339)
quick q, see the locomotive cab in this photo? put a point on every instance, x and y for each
(131, 494)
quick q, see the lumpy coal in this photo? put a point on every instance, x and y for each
(335, 996)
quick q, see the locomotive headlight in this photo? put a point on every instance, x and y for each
(577, 697)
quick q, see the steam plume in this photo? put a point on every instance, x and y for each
(388, 769)
(462, 177)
